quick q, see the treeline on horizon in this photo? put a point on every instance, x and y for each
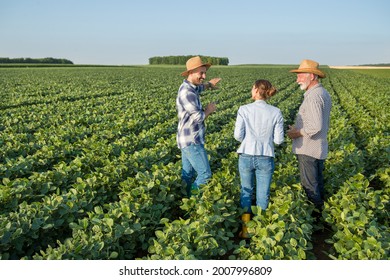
(378, 64)
(46, 60)
(182, 59)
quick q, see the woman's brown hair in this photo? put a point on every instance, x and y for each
(266, 88)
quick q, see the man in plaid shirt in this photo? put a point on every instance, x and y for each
(191, 129)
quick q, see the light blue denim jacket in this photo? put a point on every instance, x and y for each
(258, 126)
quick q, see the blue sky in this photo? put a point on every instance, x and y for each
(119, 32)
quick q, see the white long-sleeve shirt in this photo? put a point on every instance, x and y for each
(258, 126)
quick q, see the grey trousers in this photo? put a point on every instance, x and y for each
(312, 179)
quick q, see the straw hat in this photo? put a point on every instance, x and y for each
(193, 63)
(309, 66)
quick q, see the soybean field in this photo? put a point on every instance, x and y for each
(89, 168)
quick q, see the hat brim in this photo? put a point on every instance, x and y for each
(186, 73)
(309, 70)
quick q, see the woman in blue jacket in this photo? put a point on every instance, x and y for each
(258, 126)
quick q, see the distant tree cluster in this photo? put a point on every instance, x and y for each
(47, 60)
(379, 64)
(182, 59)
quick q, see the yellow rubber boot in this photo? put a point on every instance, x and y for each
(244, 232)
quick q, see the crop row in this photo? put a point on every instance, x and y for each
(357, 210)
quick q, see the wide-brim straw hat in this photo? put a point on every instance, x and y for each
(193, 63)
(309, 66)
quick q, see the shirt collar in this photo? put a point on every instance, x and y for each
(190, 84)
(313, 88)
(195, 87)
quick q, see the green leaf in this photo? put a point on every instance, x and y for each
(6, 181)
(36, 224)
(160, 234)
(109, 221)
(279, 236)
(137, 226)
(184, 250)
(114, 255)
(373, 231)
(98, 210)
(293, 242)
(48, 226)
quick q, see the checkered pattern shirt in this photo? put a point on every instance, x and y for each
(191, 128)
(313, 122)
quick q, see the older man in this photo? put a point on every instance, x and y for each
(309, 133)
(191, 128)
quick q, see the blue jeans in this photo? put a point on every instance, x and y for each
(194, 160)
(260, 168)
(312, 180)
